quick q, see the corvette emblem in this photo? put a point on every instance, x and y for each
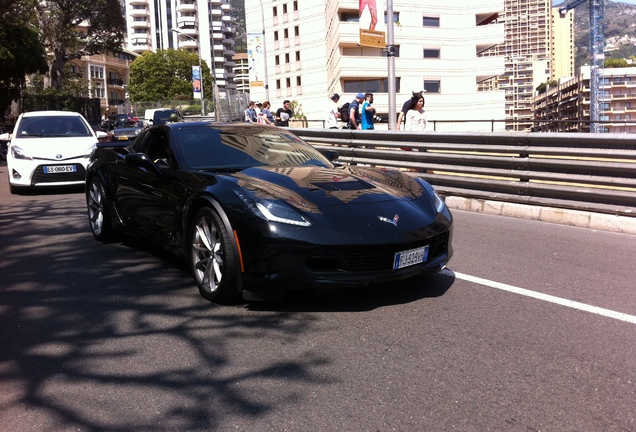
(393, 221)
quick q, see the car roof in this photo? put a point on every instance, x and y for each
(50, 114)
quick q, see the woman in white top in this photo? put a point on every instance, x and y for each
(416, 116)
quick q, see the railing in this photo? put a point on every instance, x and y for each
(593, 172)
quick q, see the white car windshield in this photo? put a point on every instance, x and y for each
(52, 126)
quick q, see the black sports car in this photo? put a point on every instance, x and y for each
(254, 209)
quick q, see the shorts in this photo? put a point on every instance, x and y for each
(367, 3)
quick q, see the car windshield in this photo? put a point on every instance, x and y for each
(240, 147)
(53, 126)
(164, 115)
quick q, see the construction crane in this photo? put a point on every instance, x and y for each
(597, 57)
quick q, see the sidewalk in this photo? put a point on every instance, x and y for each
(597, 221)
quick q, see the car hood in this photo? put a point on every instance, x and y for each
(317, 187)
(55, 148)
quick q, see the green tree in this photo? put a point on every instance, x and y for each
(164, 75)
(616, 63)
(76, 27)
(21, 52)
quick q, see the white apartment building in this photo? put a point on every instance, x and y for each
(312, 50)
(200, 24)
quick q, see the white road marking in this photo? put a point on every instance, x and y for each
(549, 298)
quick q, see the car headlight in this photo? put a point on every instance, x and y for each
(440, 205)
(18, 153)
(90, 151)
(271, 210)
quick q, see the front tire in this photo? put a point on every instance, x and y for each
(212, 257)
(99, 218)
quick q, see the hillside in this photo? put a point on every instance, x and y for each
(619, 31)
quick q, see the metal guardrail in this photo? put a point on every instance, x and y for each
(592, 172)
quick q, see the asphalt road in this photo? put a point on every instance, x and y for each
(532, 328)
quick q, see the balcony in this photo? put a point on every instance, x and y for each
(188, 44)
(186, 7)
(137, 2)
(115, 101)
(139, 12)
(115, 82)
(140, 24)
(186, 21)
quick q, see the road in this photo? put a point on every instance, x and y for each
(531, 328)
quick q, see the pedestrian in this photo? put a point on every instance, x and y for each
(250, 113)
(259, 112)
(416, 116)
(368, 111)
(354, 112)
(268, 117)
(405, 108)
(333, 114)
(284, 114)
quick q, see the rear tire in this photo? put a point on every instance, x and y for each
(212, 257)
(99, 218)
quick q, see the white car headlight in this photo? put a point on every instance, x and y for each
(18, 153)
(90, 151)
(270, 210)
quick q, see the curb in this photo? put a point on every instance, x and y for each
(597, 221)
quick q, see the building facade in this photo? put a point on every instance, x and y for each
(538, 47)
(107, 75)
(566, 106)
(312, 50)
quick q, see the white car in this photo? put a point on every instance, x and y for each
(50, 148)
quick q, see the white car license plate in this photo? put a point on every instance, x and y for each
(59, 169)
(410, 257)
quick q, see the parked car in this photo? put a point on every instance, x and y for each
(49, 148)
(253, 209)
(158, 116)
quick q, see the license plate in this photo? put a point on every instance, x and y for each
(122, 138)
(59, 169)
(410, 257)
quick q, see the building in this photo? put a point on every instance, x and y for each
(312, 50)
(566, 106)
(107, 74)
(538, 47)
(199, 26)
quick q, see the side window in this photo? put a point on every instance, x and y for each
(158, 147)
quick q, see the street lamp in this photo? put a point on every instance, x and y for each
(264, 50)
(200, 68)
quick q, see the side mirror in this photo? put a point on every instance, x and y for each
(5, 137)
(101, 134)
(331, 155)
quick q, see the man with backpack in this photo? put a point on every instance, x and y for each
(354, 120)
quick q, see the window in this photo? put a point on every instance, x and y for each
(628, 116)
(286, 34)
(350, 16)
(628, 104)
(295, 6)
(396, 17)
(297, 31)
(277, 60)
(277, 84)
(98, 92)
(288, 82)
(618, 117)
(97, 72)
(431, 53)
(605, 106)
(286, 57)
(432, 86)
(298, 81)
(297, 56)
(276, 36)
(284, 9)
(275, 11)
(379, 85)
(430, 21)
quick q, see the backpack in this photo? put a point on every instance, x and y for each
(344, 112)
